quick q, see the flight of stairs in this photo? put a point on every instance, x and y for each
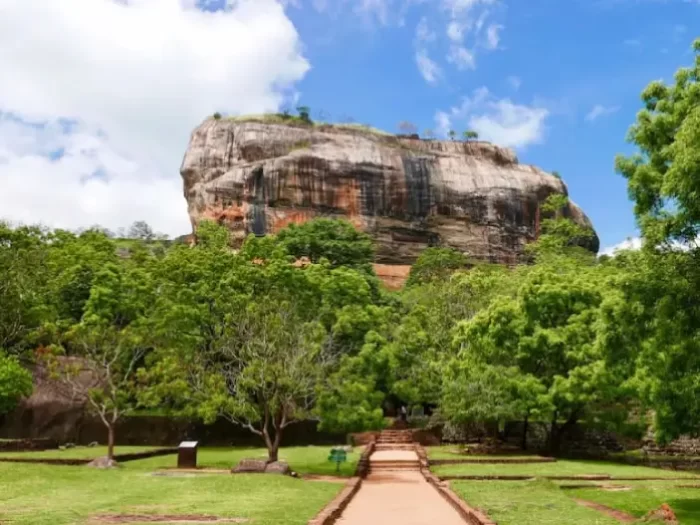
(394, 450)
(395, 440)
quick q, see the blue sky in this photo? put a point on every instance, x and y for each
(568, 56)
(94, 123)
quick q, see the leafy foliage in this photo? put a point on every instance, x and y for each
(663, 177)
(15, 382)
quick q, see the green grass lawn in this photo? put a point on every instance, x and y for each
(304, 460)
(560, 468)
(527, 503)
(75, 453)
(33, 494)
(452, 452)
(644, 496)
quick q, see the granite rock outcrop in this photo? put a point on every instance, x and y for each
(258, 176)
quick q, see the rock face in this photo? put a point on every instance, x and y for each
(409, 194)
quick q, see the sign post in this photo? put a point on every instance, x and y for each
(338, 455)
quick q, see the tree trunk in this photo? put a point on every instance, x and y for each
(526, 424)
(110, 442)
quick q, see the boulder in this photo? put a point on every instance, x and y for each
(250, 465)
(258, 176)
(103, 463)
(278, 467)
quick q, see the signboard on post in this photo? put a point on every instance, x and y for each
(338, 455)
(187, 454)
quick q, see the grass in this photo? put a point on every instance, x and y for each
(644, 496)
(560, 468)
(527, 503)
(304, 460)
(75, 453)
(59, 495)
(452, 452)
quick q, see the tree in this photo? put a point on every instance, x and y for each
(106, 347)
(217, 116)
(264, 374)
(429, 134)
(15, 382)
(142, 231)
(548, 332)
(407, 128)
(556, 174)
(663, 177)
(436, 263)
(452, 134)
(470, 135)
(338, 241)
(304, 113)
(23, 284)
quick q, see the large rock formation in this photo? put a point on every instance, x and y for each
(257, 176)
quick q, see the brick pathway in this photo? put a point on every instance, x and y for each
(400, 497)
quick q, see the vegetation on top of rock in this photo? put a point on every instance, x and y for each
(436, 263)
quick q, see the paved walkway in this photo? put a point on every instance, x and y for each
(400, 497)
(393, 455)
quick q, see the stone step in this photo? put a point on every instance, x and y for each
(398, 466)
(394, 446)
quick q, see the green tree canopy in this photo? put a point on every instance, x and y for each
(15, 382)
(338, 241)
(664, 176)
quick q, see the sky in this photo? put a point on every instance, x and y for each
(98, 97)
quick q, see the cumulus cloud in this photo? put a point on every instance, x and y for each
(497, 120)
(599, 111)
(132, 77)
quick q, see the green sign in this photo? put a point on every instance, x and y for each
(339, 456)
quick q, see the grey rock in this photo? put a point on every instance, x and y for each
(250, 465)
(407, 193)
(278, 467)
(103, 463)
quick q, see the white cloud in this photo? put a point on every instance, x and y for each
(500, 121)
(136, 76)
(428, 68)
(461, 57)
(632, 42)
(599, 111)
(631, 243)
(493, 36)
(635, 243)
(515, 82)
(455, 31)
(423, 32)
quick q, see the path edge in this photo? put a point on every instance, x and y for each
(332, 512)
(468, 514)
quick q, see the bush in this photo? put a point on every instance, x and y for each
(217, 116)
(15, 382)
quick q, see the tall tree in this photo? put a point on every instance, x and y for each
(664, 176)
(105, 348)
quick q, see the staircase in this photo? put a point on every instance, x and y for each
(394, 451)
